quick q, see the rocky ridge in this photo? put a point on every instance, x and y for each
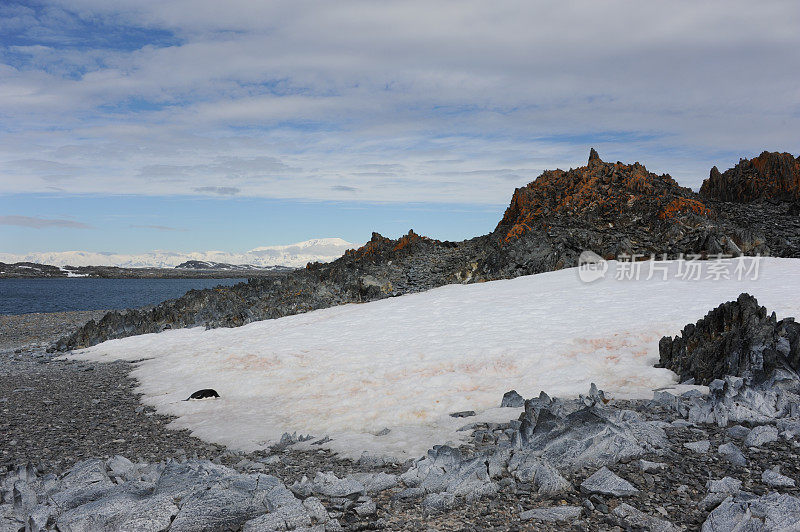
(203, 265)
(771, 176)
(613, 209)
(610, 208)
(381, 268)
(601, 194)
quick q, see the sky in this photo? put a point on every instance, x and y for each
(135, 125)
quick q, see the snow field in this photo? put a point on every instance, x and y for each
(405, 363)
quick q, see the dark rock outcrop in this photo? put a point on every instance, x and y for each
(512, 399)
(30, 270)
(771, 176)
(205, 265)
(551, 439)
(737, 339)
(599, 194)
(612, 209)
(580, 433)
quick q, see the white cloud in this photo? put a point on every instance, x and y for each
(294, 99)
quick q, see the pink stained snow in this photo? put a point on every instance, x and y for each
(405, 363)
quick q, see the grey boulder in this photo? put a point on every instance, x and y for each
(701, 446)
(550, 515)
(604, 482)
(637, 520)
(512, 399)
(773, 478)
(526, 467)
(745, 512)
(761, 435)
(732, 454)
(445, 469)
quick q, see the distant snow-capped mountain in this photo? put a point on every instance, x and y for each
(293, 255)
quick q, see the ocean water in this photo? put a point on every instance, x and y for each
(22, 296)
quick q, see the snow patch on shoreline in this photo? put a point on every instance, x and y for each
(406, 363)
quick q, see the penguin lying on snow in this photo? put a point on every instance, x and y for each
(203, 394)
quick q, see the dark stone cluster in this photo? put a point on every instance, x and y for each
(738, 338)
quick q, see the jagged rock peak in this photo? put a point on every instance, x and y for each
(738, 338)
(597, 193)
(770, 176)
(379, 245)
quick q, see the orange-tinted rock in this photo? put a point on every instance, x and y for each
(408, 239)
(373, 247)
(599, 192)
(770, 176)
(680, 206)
(378, 245)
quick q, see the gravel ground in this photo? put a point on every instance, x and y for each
(58, 412)
(55, 413)
(39, 329)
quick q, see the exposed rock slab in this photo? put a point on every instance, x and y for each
(550, 515)
(772, 477)
(745, 512)
(190, 496)
(605, 482)
(701, 446)
(761, 435)
(732, 454)
(590, 436)
(639, 520)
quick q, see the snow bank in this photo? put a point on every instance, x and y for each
(406, 363)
